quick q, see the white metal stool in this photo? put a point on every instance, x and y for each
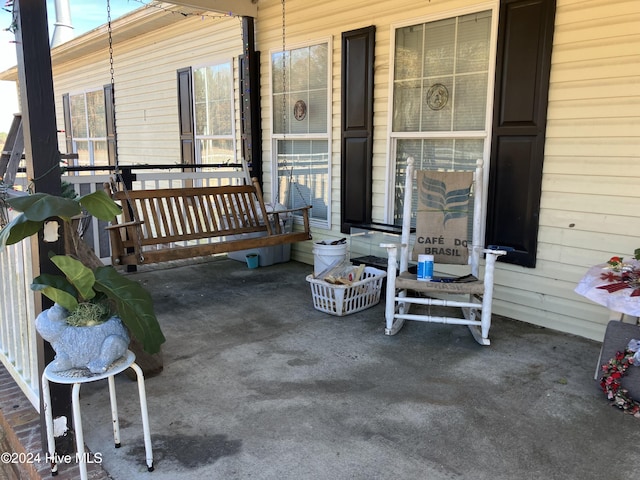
(79, 376)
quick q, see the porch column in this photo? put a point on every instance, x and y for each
(42, 157)
(250, 100)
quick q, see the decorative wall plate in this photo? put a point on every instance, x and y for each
(300, 110)
(437, 96)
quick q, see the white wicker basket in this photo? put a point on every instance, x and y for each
(345, 299)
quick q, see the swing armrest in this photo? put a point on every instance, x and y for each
(118, 251)
(276, 216)
(288, 210)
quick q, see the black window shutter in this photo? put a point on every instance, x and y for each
(185, 116)
(357, 127)
(66, 110)
(110, 119)
(525, 36)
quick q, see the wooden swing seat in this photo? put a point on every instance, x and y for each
(179, 223)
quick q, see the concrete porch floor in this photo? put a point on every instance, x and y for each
(257, 384)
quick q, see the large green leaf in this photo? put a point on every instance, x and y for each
(134, 305)
(81, 277)
(18, 229)
(40, 206)
(58, 289)
(100, 205)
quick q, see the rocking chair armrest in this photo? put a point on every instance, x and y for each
(124, 225)
(497, 251)
(392, 245)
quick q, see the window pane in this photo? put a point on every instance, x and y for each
(279, 68)
(406, 106)
(299, 113)
(470, 102)
(96, 115)
(78, 116)
(303, 175)
(280, 121)
(317, 111)
(437, 104)
(318, 66)
(100, 153)
(408, 58)
(82, 149)
(219, 151)
(439, 48)
(299, 71)
(474, 33)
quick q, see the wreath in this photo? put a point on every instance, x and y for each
(614, 370)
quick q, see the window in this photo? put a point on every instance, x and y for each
(442, 78)
(301, 126)
(89, 128)
(214, 114)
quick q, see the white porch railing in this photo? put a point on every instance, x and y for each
(18, 341)
(18, 351)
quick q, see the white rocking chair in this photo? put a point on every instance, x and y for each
(405, 290)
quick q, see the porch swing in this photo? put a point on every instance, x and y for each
(167, 224)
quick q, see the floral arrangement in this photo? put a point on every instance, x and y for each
(622, 275)
(613, 371)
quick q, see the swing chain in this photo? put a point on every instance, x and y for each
(285, 120)
(284, 103)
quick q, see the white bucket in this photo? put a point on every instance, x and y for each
(327, 256)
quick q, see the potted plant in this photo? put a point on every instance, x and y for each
(87, 294)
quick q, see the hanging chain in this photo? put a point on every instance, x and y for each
(284, 104)
(113, 84)
(285, 116)
(284, 74)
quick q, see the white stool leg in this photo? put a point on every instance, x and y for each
(77, 425)
(48, 415)
(145, 416)
(114, 411)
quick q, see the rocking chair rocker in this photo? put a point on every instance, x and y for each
(445, 205)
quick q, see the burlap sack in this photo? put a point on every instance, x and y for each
(442, 216)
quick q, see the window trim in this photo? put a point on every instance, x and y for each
(326, 224)
(392, 136)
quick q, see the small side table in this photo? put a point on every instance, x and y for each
(79, 376)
